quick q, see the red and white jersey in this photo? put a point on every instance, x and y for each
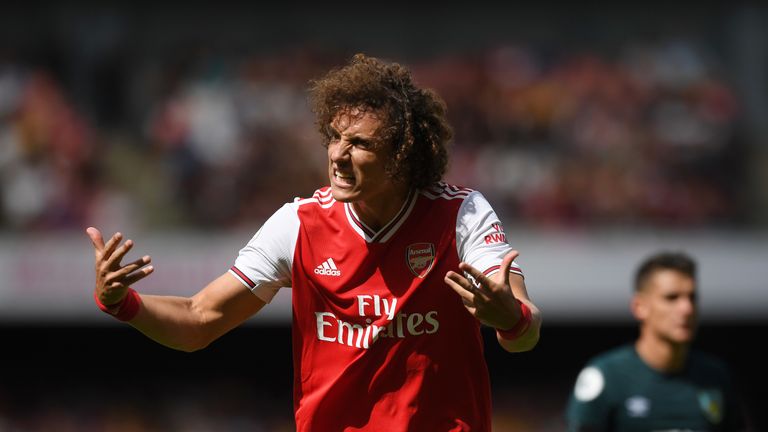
(380, 342)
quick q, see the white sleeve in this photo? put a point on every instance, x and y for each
(480, 237)
(264, 264)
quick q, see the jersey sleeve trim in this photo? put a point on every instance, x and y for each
(512, 269)
(243, 278)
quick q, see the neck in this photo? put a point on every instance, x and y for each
(376, 213)
(662, 355)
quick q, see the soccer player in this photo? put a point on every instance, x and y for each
(659, 383)
(392, 271)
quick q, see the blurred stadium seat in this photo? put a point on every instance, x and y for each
(596, 134)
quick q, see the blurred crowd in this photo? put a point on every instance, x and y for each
(219, 405)
(647, 135)
(210, 405)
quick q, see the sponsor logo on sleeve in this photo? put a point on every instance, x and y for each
(497, 236)
(589, 384)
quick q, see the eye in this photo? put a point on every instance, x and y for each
(361, 143)
(331, 133)
(332, 138)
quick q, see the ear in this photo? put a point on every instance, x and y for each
(639, 307)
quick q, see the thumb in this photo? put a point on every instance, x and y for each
(506, 263)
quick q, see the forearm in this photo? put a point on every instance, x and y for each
(186, 324)
(172, 321)
(527, 340)
(190, 324)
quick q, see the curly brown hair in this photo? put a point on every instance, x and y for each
(415, 123)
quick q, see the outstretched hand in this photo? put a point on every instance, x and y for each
(489, 299)
(113, 278)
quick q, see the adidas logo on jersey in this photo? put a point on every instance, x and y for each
(328, 268)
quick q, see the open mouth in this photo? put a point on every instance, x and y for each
(343, 178)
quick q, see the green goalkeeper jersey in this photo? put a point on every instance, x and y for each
(617, 391)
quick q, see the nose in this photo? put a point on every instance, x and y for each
(338, 151)
(688, 306)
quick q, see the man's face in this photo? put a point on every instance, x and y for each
(666, 306)
(356, 158)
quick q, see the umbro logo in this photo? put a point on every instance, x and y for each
(328, 268)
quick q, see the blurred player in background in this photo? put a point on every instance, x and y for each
(392, 271)
(659, 383)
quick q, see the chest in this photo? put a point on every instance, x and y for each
(664, 403)
(349, 290)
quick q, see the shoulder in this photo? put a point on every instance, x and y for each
(446, 191)
(595, 376)
(707, 364)
(320, 199)
(468, 202)
(613, 361)
(615, 357)
(707, 360)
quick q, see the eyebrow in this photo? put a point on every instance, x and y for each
(355, 136)
(358, 138)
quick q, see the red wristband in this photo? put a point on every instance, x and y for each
(126, 310)
(522, 325)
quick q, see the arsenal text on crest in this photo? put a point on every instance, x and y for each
(420, 257)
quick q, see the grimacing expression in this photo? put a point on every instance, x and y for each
(666, 305)
(356, 158)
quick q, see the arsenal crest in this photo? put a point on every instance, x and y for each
(711, 403)
(420, 257)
